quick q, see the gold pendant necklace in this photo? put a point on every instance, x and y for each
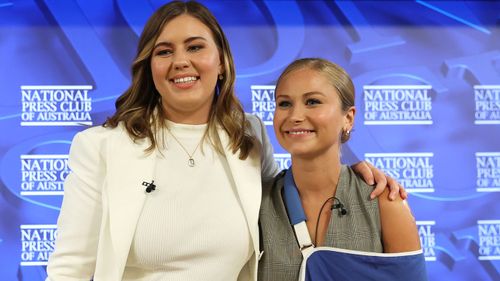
(191, 162)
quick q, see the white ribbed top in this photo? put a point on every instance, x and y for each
(192, 226)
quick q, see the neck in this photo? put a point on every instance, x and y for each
(189, 118)
(317, 176)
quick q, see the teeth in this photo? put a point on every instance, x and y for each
(299, 132)
(185, 79)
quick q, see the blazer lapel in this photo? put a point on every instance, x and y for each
(131, 166)
(247, 177)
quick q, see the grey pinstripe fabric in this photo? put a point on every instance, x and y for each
(358, 230)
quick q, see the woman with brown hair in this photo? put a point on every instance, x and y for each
(169, 187)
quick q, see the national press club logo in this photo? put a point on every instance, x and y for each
(427, 239)
(283, 160)
(263, 102)
(397, 104)
(488, 171)
(487, 99)
(37, 243)
(56, 105)
(414, 171)
(43, 174)
(489, 239)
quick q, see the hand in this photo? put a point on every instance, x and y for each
(372, 175)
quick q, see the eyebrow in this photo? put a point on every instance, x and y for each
(187, 41)
(313, 93)
(307, 94)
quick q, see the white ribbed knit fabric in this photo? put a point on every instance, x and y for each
(192, 226)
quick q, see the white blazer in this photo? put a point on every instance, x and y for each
(104, 196)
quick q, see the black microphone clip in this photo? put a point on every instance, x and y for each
(150, 186)
(342, 211)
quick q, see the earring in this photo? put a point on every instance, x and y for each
(221, 76)
(217, 89)
(345, 135)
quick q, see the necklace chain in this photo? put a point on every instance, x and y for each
(191, 162)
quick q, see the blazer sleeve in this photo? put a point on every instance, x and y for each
(269, 166)
(78, 225)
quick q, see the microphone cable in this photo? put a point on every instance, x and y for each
(339, 205)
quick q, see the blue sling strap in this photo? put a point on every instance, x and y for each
(334, 264)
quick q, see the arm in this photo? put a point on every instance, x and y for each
(372, 175)
(269, 166)
(74, 256)
(399, 231)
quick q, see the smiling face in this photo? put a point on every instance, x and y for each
(185, 64)
(309, 119)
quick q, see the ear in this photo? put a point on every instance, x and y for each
(349, 118)
(221, 67)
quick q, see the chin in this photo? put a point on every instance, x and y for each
(303, 153)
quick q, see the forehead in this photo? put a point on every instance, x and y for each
(184, 26)
(305, 80)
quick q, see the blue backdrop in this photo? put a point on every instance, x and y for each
(427, 75)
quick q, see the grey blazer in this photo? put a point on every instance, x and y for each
(358, 230)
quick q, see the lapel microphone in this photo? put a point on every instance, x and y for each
(342, 211)
(150, 186)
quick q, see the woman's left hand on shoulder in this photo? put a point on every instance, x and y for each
(372, 175)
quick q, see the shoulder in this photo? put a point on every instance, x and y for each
(273, 184)
(354, 193)
(93, 141)
(90, 137)
(253, 119)
(93, 136)
(255, 125)
(98, 134)
(354, 182)
(395, 209)
(399, 230)
(103, 131)
(271, 194)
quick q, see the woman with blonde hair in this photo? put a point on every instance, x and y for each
(319, 204)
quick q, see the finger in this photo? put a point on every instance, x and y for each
(363, 168)
(381, 180)
(402, 192)
(394, 187)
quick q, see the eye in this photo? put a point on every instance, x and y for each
(163, 52)
(313, 101)
(195, 48)
(284, 104)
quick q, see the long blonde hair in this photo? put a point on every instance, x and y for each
(139, 107)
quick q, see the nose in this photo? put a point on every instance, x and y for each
(180, 61)
(297, 115)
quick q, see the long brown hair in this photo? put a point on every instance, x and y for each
(139, 107)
